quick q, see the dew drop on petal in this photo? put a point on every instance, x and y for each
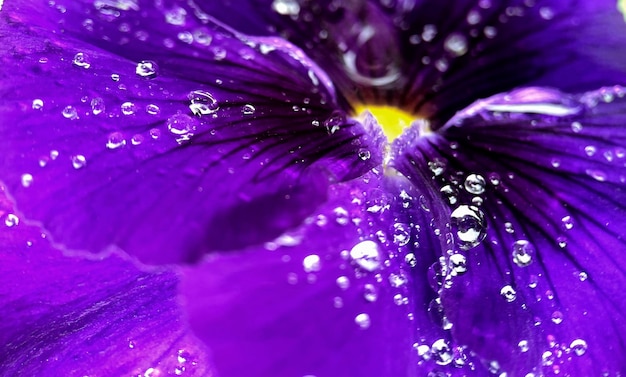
(508, 293)
(557, 317)
(97, 105)
(37, 104)
(363, 320)
(370, 293)
(248, 109)
(27, 179)
(69, 112)
(523, 345)
(78, 161)
(147, 69)
(81, 60)
(456, 44)
(115, 140)
(11, 220)
(458, 264)
(152, 109)
(410, 260)
(578, 346)
(128, 108)
(311, 263)
(367, 255)
(475, 184)
(523, 252)
(469, 226)
(202, 103)
(286, 7)
(343, 282)
(441, 352)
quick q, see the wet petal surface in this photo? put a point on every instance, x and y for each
(165, 150)
(344, 295)
(534, 182)
(73, 317)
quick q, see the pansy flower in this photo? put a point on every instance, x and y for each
(312, 188)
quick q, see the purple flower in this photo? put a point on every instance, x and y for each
(192, 188)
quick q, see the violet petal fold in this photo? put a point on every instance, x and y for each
(74, 317)
(346, 294)
(535, 185)
(165, 144)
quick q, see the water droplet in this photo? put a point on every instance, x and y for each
(81, 60)
(523, 253)
(578, 346)
(153, 109)
(546, 13)
(248, 109)
(458, 264)
(557, 317)
(475, 184)
(363, 320)
(147, 69)
(441, 352)
(508, 293)
(311, 263)
(176, 16)
(78, 161)
(468, 223)
(341, 216)
(97, 105)
(343, 282)
(37, 104)
(410, 259)
(397, 280)
(473, 17)
(202, 103)
(437, 166)
(590, 150)
(523, 345)
(456, 44)
(429, 33)
(69, 112)
(334, 122)
(364, 154)
(11, 220)
(27, 179)
(582, 276)
(115, 140)
(182, 126)
(367, 255)
(401, 235)
(286, 7)
(128, 108)
(370, 292)
(399, 299)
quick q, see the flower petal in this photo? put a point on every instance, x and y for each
(541, 177)
(213, 145)
(344, 295)
(74, 317)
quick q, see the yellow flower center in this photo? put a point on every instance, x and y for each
(621, 5)
(392, 120)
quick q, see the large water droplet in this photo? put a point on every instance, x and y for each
(475, 184)
(81, 60)
(367, 255)
(578, 346)
(458, 264)
(523, 253)
(147, 69)
(115, 140)
(441, 352)
(128, 108)
(202, 103)
(468, 223)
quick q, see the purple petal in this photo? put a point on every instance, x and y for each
(73, 317)
(214, 144)
(346, 294)
(535, 185)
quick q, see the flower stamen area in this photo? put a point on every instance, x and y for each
(392, 120)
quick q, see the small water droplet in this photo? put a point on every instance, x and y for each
(437, 166)
(508, 293)
(69, 112)
(153, 109)
(128, 108)
(456, 44)
(312, 263)
(37, 104)
(429, 33)
(78, 161)
(286, 7)
(176, 16)
(115, 140)
(458, 264)
(523, 345)
(27, 179)
(590, 150)
(364, 154)
(363, 320)
(370, 293)
(578, 346)
(557, 317)
(523, 252)
(147, 69)
(182, 126)
(11, 220)
(81, 60)
(248, 109)
(410, 259)
(203, 103)
(468, 223)
(582, 276)
(343, 282)
(367, 255)
(475, 184)
(441, 352)
(97, 105)
(397, 280)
